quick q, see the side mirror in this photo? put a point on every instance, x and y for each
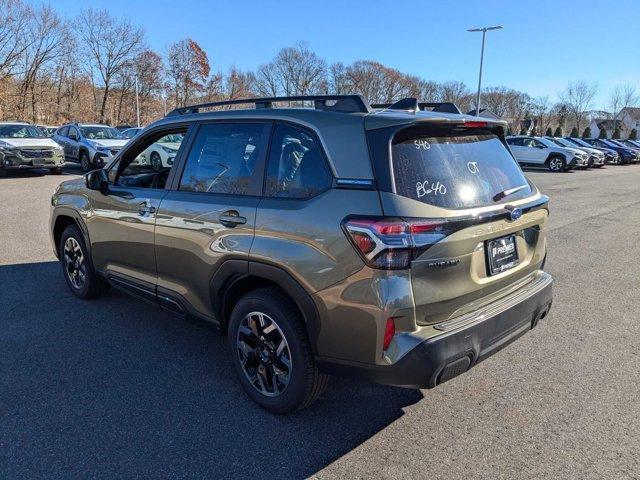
(73, 136)
(97, 180)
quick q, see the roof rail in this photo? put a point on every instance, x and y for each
(412, 104)
(344, 103)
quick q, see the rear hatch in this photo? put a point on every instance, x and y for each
(477, 225)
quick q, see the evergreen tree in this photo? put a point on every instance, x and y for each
(603, 133)
(633, 135)
(558, 132)
(586, 133)
(523, 131)
(549, 132)
(574, 132)
(616, 133)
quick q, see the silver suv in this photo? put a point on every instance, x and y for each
(91, 145)
(394, 244)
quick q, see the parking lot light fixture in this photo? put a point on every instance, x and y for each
(484, 31)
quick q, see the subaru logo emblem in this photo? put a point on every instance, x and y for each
(514, 213)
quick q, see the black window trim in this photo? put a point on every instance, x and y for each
(316, 138)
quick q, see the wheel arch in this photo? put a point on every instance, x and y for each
(555, 154)
(235, 278)
(62, 219)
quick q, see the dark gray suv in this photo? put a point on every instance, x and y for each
(400, 244)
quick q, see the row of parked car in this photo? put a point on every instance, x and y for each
(560, 154)
(26, 146)
(23, 146)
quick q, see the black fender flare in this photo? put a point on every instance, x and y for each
(77, 218)
(235, 273)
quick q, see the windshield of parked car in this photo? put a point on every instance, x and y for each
(20, 131)
(101, 133)
(465, 170)
(580, 142)
(562, 142)
(172, 138)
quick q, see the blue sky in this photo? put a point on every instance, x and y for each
(544, 43)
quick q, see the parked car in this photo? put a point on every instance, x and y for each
(89, 144)
(610, 156)
(163, 152)
(631, 143)
(24, 146)
(621, 144)
(131, 132)
(540, 152)
(596, 157)
(397, 245)
(625, 154)
(48, 130)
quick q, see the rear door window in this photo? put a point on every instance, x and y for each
(464, 170)
(223, 159)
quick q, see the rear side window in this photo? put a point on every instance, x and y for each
(64, 131)
(297, 168)
(223, 158)
(466, 170)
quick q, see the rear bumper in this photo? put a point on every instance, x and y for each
(464, 341)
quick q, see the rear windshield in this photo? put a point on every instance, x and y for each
(456, 171)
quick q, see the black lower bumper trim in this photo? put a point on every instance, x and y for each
(451, 353)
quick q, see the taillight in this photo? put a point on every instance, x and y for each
(475, 124)
(389, 332)
(391, 243)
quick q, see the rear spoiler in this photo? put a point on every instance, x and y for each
(411, 104)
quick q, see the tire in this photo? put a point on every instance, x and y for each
(156, 161)
(556, 164)
(85, 161)
(74, 257)
(268, 314)
(55, 171)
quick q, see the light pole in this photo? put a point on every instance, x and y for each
(484, 31)
(137, 103)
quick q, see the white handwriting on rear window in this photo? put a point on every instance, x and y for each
(421, 144)
(427, 188)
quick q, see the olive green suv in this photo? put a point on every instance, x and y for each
(397, 243)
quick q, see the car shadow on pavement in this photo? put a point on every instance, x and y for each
(116, 388)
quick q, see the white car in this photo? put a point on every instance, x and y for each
(24, 146)
(596, 157)
(539, 152)
(163, 152)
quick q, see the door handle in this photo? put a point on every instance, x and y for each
(231, 218)
(145, 208)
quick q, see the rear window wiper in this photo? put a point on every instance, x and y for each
(499, 196)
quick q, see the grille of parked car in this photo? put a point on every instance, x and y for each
(36, 153)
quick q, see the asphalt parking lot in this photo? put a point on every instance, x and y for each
(114, 388)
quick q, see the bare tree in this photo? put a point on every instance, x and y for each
(110, 45)
(544, 112)
(188, 70)
(577, 99)
(239, 84)
(623, 96)
(294, 71)
(46, 33)
(15, 18)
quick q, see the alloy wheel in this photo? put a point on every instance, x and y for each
(556, 164)
(264, 354)
(156, 161)
(74, 263)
